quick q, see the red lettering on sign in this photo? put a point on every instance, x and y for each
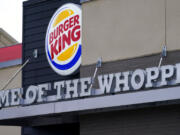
(54, 50)
(50, 37)
(60, 46)
(60, 29)
(76, 33)
(67, 39)
(76, 19)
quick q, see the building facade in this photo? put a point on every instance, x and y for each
(10, 62)
(128, 81)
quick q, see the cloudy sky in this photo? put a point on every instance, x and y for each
(11, 17)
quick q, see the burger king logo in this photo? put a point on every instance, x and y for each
(63, 39)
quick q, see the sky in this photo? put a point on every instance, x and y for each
(11, 17)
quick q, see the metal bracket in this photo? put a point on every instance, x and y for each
(35, 53)
(98, 65)
(163, 55)
(164, 51)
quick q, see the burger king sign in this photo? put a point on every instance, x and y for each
(63, 39)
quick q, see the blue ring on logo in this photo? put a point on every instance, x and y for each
(70, 64)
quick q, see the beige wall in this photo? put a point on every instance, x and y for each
(121, 29)
(173, 24)
(7, 73)
(8, 130)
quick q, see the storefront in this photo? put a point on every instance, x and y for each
(97, 67)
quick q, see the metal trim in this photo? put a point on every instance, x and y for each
(10, 63)
(83, 1)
